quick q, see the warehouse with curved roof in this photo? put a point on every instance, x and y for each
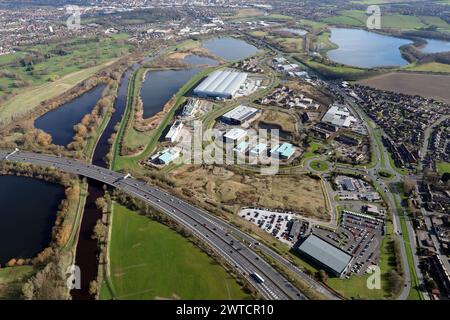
(221, 84)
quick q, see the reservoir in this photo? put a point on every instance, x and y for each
(230, 49)
(360, 48)
(160, 86)
(28, 214)
(59, 122)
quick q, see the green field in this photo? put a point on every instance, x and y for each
(319, 165)
(443, 167)
(358, 18)
(31, 98)
(44, 71)
(150, 261)
(429, 67)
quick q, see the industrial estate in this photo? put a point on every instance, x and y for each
(225, 150)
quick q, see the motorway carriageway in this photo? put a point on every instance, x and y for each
(210, 229)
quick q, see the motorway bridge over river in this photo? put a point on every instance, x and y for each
(229, 242)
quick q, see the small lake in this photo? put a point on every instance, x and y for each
(198, 60)
(59, 122)
(230, 49)
(28, 213)
(300, 32)
(434, 46)
(160, 86)
(366, 49)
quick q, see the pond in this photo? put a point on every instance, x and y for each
(28, 214)
(59, 122)
(230, 49)
(360, 48)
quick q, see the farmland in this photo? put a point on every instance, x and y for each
(426, 85)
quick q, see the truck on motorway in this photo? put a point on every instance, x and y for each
(257, 277)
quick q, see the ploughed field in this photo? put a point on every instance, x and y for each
(426, 85)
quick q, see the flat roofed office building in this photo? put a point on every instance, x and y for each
(221, 84)
(325, 254)
(234, 135)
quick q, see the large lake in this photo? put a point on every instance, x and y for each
(230, 49)
(361, 48)
(365, 49)
(59, 122)
(27, 214)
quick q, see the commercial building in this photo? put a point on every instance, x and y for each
(174, 131)
(166, 156)
(240, 115)
(258, 149)
(190, 107)
(234, 135)
(339, 116)
(283, 151)
(331, 258)
(221, 84)
(242, 147)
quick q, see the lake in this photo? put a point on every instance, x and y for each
(160, 86)
(59, 122)
(28, 213)
(434, 46)
(230, 49)
(366, 49)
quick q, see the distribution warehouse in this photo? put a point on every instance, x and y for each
(221, 84)
(330, 257)
(239, 115)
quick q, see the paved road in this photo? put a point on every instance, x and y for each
(228, 241)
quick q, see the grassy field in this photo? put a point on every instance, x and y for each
(31, 98)
(358, 18)
(151, 261)
(340, 71)
(319, 165)
(443, 167)
(11, 280)
(429, 67)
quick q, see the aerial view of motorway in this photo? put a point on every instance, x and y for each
(243, 152)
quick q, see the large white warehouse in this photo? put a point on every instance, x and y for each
(221, 84)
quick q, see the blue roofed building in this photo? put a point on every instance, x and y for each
(258, 149)
(165, 157)
(283, 151)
